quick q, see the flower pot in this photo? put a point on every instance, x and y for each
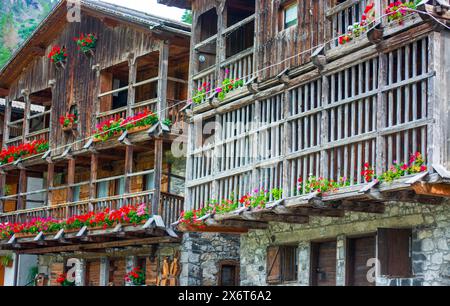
(138, 129)
(89, 53)
(71, 127)
(60, 65)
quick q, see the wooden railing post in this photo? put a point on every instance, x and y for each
(7, 119)
(21, 200)
(70, 182)
(2, 189)
(128, 167)
(162, 82)
(158, 176)
(93, 178)
(132, 64)
(26, 114)
(381, 115)
(50, 183)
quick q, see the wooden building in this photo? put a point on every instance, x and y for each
(139, 65)
(318, 104)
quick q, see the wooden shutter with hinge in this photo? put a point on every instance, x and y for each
(274, 265)
(394, 252)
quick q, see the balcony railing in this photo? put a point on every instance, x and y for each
(170, 207)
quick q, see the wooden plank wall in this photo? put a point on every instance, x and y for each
(325, 125)
(77, 83)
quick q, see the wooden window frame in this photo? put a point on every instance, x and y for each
(348, 255)
(281, 251)
(282, 15)
(233, 263)
(387, 254)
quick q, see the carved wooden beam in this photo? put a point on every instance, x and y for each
(318, 58)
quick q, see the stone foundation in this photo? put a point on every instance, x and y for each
(201, 255)
(430, 243)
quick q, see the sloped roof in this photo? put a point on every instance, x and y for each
(45, 33)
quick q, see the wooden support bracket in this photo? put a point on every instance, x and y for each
(283, 77)
(47, 154)
(123, 139)
(82, 232)
(39, 236)
(154, 130)
(66, 153)
(443, 173)
(375, 34)
(89, 143)
(59, 235)
(318, 58)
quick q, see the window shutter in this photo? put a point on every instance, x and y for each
(393, 252)
(274, 265)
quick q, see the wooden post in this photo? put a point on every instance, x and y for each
(324, 126)
(158, 176)
(128, 167)
(93, 178)
(50, 183)
(70, 180)
(26, 115)
(162, 82)
(221, 41)
(381, 115)
(21, 200)
(438, 97)
(7, 121)
(286, 142)
(132, 64)
(2, 190)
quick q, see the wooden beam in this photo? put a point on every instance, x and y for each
(70, 182)
(99, 246)
(158, 176)
(93, 178)
(50, 183)
(435, 190)
(270, 217)
(128, 167)
(22, 189)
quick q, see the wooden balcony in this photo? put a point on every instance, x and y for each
(158, 225)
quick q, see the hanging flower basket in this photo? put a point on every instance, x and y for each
(58, 56)
(86, 43)
(69, 122)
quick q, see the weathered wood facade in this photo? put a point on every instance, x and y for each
(140, 63)
(365, 102)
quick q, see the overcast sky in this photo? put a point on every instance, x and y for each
(152, 7)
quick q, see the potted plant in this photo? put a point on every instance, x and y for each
(69, 122)
(64, 282)
(58, 56)
(136, 277)
(86, 43)
(6, 261)
(140, 122)
(108, 129)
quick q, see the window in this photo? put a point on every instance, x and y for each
(229, 273)
(282, 264)
(394, 252)
(289, 15)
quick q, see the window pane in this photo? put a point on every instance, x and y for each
(290, 16)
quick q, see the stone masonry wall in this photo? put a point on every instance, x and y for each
(201, 255)
(430, 246)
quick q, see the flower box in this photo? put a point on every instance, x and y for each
(25, 235)
(138, 129)
(71, 127)
(211, 229)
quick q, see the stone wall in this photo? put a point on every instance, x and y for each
(430, 247)
(201, 255)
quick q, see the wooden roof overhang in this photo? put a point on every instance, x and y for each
(425, 188)
(183, 4)
(152, 232)
(47, 31)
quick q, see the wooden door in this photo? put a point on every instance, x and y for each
(2, 276)
(117, 272)
(323, 264)
(359, 251)
(92, 277)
